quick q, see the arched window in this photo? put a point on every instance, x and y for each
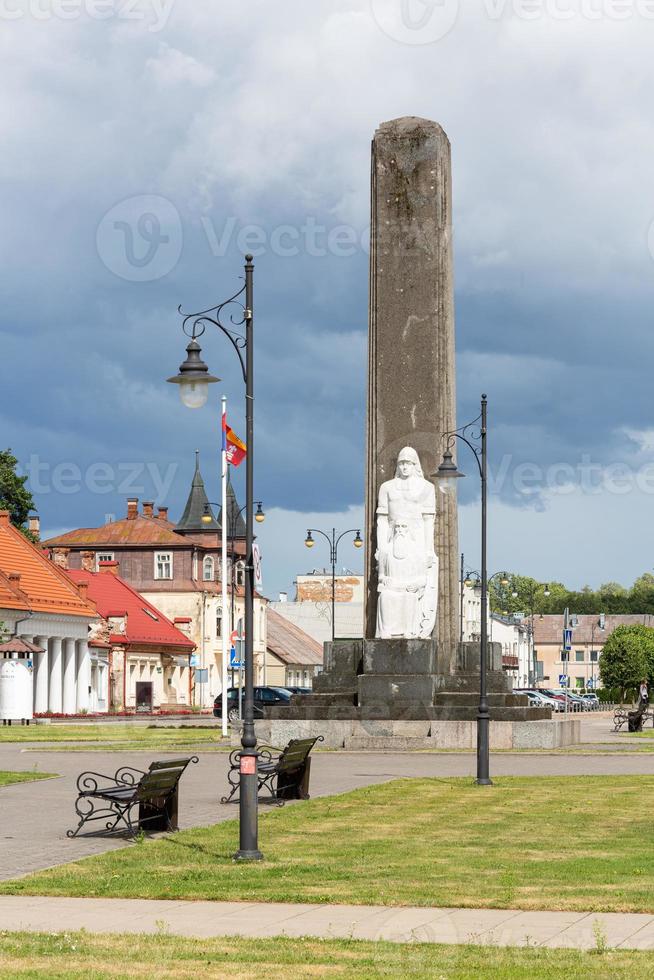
(207, 569)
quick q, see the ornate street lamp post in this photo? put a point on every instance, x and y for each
(333, 556)
(193, 380)
(474, 436)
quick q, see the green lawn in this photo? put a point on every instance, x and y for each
(123, 737)
(81, 956)
(7, 778)
(578, 843)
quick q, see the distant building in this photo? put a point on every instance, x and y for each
(295, 657)
(40, 604)
(316, 586)
(177, 568)
(589, 634)
(149, 656)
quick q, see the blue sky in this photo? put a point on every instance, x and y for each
(147, 146)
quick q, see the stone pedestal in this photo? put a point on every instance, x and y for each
(407, 680)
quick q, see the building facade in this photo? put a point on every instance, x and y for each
(177, 568)
(581, 663)
(149, 658)
(40, 604)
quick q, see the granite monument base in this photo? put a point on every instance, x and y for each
(392, 694)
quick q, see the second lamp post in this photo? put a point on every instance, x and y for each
(474, 436)
(333, 555)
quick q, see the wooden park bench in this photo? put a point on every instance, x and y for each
(112, 798)
(284, 773)
(624, 714)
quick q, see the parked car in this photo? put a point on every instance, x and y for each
(264, 697)
(592, 700)
(575, 702)
(546, 699)
(299, 690)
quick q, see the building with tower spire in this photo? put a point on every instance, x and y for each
(177, 567)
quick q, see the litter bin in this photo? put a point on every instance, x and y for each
(157, 817)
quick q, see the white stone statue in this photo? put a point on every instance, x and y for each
(406, 562)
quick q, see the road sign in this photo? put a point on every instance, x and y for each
(256, 562)
(194, 660)
(202, 675)
(590, 684)
(234, 662)
(563, 680)
(567, 639)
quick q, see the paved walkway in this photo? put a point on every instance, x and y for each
(497, 927)
(36, 815)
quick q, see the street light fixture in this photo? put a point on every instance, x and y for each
(193, 380)
(474, 436)
(333, 542)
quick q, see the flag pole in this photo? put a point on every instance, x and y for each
(223, 554)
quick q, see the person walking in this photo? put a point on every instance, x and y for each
(643, 694)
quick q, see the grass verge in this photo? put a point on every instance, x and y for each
(79, 956)
(7, 778)
(115, 736)
(571, 843)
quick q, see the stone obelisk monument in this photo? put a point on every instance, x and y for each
(408, 678)
(411, 371)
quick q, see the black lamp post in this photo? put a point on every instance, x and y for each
(474, 436)
(193, 380)
(333, 555)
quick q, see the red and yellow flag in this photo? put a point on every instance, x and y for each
(236, 450)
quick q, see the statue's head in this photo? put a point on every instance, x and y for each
(408, 464)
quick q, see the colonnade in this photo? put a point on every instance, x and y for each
(62, 675)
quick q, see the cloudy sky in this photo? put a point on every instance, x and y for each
(147, 145)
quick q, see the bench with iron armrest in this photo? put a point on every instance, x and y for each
(112, 798)
(633, 718)
(283, 772)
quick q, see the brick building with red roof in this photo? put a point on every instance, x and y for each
(177, 568)
(149, 657)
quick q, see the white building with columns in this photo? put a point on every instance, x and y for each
(39, 603)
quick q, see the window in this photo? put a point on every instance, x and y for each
(240, 573)
(565, 656)
(163, 564)
(579, 682)
(207, 569)
(594, 656)
(579, 656)
(103, 556)
(219, 623)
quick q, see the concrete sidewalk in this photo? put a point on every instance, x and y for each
(498, 927)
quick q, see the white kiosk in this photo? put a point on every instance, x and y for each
(17, 680)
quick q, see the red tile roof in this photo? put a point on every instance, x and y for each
(42, 587)
(290, 643)
(146, 625)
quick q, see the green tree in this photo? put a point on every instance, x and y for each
(14, 495)
(627, 657)
(641, 596)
